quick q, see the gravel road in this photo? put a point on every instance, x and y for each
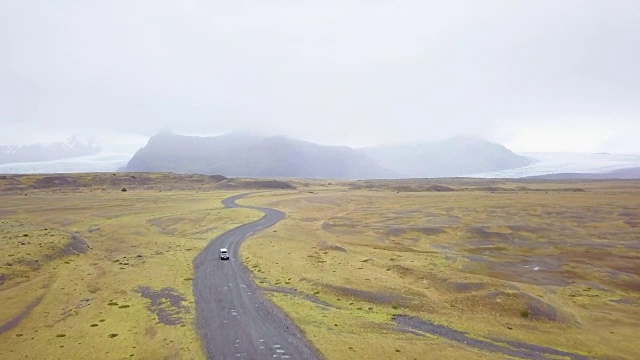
(234, 319)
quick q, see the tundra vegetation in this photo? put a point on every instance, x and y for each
(89, 271)
(456, 268)
(453, 268)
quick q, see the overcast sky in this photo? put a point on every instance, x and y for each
(557, 75)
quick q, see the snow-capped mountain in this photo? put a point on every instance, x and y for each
(68, 148)
(89, 150)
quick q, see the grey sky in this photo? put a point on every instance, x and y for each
(535, 75)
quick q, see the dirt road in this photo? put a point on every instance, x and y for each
(234, 319)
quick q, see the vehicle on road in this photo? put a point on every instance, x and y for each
(224, 254)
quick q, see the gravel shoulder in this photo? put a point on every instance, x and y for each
(233, 317)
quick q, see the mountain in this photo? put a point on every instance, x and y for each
(69, 148)
(457, 156)
(620, 174)
(242, 154)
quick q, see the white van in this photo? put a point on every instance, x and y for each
(224, 254)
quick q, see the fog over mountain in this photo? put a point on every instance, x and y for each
(453, 157)
(244, 154)
(252, 154)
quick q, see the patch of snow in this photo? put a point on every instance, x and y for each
(101, 162)
(114, 151)
(551, 163)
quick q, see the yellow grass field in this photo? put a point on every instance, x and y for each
(550, 264)
(129, 295)
(90, 271)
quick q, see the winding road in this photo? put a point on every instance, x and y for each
(234, 319)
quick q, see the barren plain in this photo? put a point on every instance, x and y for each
(457, 268)
(406, 269)
(90, 271)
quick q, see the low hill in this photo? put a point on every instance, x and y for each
(453, 157)
(27, 183)
(245, 155)
(622, 174)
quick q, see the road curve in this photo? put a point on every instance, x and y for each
(234, 319)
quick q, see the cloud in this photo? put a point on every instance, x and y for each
(339, 72)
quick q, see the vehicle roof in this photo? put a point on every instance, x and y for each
(223, 249)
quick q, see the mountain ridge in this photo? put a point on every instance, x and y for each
(620, 174)
(457, 156)
(250, 155)
(239, 154)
